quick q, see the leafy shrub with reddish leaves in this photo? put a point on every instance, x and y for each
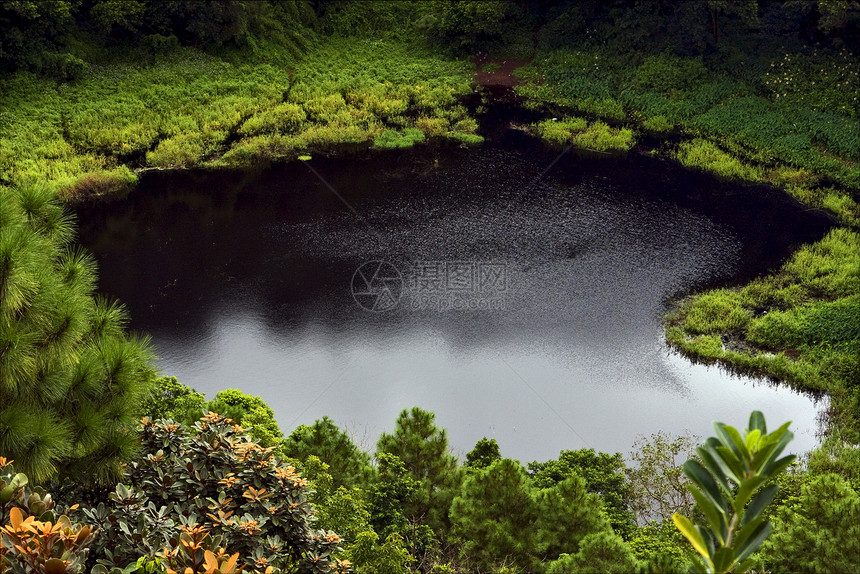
(32, 539)
(200, 494)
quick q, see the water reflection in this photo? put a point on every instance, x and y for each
(245, 282)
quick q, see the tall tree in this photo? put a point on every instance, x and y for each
(658, 487)
(71, 380)
(349, 466)
(485, 453)
(494, 516)
(423, 448)
(603, 474)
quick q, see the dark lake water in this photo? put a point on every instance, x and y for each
(518, 308)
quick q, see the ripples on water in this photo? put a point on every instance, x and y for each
(245, 282)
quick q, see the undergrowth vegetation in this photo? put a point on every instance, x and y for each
(578, 132)
(187, 108)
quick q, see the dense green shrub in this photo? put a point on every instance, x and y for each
(819, 531)
(601, 137)
(33, 539)
(502, 520)
(423, 449)
(392, 139)
(211, 485)
(666, 73)
(704, 155)
(559, 132)
(604, 475)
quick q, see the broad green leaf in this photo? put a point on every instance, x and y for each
(746, 490)
(757, 422)
(744, 532)
(776, 466)
(724, 438)
(754, 541)
(706, 536)
(738, 441)
(723, 559)
(763, 456)
(730, 464)
(686, 527)
(759, 502)
(700, 476)
(709, 457)
(713, 513)
(751, 440)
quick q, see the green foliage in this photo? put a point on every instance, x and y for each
(599, 553)
(172, 400)
(704, 155)
(658, 487)
(658, 124)
(597, 136)
(718, 311)
(71, 380)
(349, 465)
(250, 411)
(494, 518)
(501, 520)
(559, 132)
(604, 475)
(836, 456)
(33, 540)
(392, 139)
(423, 448)
(190, 109)
(371, 557)
(817, 532)
(727, 486)
(807, 313)
(471, 25)
(666, 73)
(213, 488)
(485, 453)
(601, 137)
(394, 492)
(660, 548)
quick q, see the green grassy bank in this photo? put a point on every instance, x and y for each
(187, 108)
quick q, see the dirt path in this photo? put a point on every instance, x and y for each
(499, 77)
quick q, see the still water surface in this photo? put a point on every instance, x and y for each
(522, 309)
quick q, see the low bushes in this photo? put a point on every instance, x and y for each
(704, 155)
(200, 499)
(596, 136)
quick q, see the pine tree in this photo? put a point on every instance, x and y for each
(71, 380)
(502, 520)
(566, 513)
(485, 453)
(494, 518)
(423, 448)
(603, 474)
(349, 466)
